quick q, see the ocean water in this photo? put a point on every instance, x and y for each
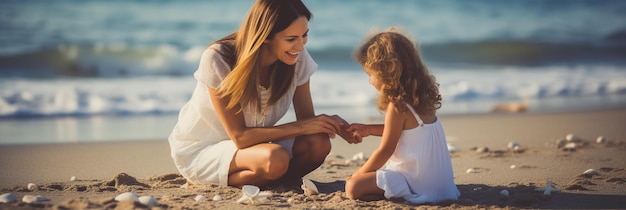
(89, 71)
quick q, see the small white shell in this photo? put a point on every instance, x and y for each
(309, 187)
(127, 196)
(199, 198)
(591, 172)
(32, 186)
(34, 199)
(358, 156)
(482, 149)
(512, 145)
(513, 166)
(217, 198)
(600, 139)
(253, 194)
(73, 178)
(262, 196)
(572, 138)
(250, 190)
(549, 188)
(184, 186)
(7, 198)
(471, 171)
(452, 148)
(570, 145)
(504, 192)
(148, 201)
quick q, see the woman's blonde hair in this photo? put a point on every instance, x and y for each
(242, 49)
(397, 63)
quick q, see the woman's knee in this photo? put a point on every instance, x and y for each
(277, 163)
(320, 145)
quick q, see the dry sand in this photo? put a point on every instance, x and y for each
(105, 170)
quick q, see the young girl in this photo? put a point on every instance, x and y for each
(413, 145)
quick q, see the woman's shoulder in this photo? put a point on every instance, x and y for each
(215, 47)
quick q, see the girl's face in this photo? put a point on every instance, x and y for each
(287, 44)
(373, 78)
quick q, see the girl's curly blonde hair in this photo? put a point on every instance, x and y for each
(396, 61)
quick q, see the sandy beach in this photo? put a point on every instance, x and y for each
(91, 175)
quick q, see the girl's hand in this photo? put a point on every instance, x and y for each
(343, 132)
(358, 130)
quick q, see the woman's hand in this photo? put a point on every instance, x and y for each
(321, 124)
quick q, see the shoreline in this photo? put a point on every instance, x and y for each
(494, 170)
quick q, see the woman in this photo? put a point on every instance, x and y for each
(226, 133)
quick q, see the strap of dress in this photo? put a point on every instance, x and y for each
(417, 117)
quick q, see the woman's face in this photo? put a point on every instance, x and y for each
(287, 44)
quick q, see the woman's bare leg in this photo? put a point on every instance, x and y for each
(258, 165)
(363, 187)
(309, 152)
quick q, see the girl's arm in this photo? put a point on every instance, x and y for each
(303, 106)
(244, 136)
(364, 130)
(394, 124)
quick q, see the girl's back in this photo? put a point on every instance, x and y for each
(423, 160)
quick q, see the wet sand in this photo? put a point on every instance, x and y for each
(104, 170)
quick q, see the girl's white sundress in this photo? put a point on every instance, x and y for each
(420, 170)
(200, 146)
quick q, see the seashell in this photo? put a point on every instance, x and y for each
(7, 198)
(572, 138)
(452, 148)
(471, 171)
(184, 186)
(504, 192)
(516, 148)
(127, 196)
(358, 156)
(199, 198)
(253, 194)
(309, 187)
(570, 145)
(217, 198)
(482, 149)
(512, 145)
(32, 186)
(148, 201)
(263, 195)
(73, 178)
(513, 166)
(600, 139)
(34, 199)
(250, 190)
(548, 189)
(591, 172)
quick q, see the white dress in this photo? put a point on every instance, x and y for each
(200, 146)
(420, 170)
